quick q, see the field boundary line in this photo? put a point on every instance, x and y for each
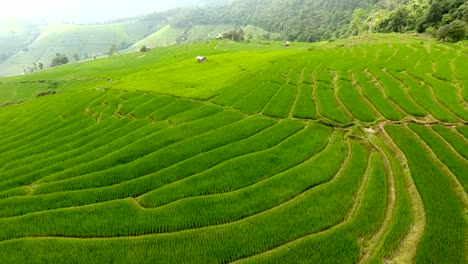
(43, 159)
(299, 196)
(141, 139)
(249, 93)
(457, 186)
(253, 184)
(313, 78)
(40, 142)
(456, 153)
(406, 251)
(394, 53)
(108, 153)
(336, 86)
(366, 100)
(408, 94)
(434, 96)
(276, 93)
(350, 214)
(222, 163)
(158, 150)
(457, 81)
(368, 251)
(149, 175)
(299, 88)
(376, 83)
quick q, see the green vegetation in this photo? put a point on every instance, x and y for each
(446, 227)
(351, 151)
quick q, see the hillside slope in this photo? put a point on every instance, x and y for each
(15, 35)
(85, 41)
(300, 20)
(352, 151)
(169, 35)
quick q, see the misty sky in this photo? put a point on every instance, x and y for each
(83, 11)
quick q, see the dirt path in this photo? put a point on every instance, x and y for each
(373, 242)
(406, 252)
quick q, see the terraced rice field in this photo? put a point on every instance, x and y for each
(346, 152)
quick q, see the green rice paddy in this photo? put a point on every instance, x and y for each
(352, 151)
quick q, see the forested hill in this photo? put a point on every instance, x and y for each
(314, 20)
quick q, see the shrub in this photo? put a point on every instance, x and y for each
(454, 31)
(59, 60)
(144, 48)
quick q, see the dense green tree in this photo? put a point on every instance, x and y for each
(315, 20)
(112, 50)
(59, 59)
(357, 24)
(235, 35)
(442, 12)
(454, 31)
(144, 48)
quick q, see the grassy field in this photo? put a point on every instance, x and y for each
(353, 151)
(169, 35)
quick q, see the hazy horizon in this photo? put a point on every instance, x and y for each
(85, 11)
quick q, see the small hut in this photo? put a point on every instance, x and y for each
(201, 59)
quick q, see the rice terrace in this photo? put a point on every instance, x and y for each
(345, 151)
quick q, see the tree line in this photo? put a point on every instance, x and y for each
(316, 20)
